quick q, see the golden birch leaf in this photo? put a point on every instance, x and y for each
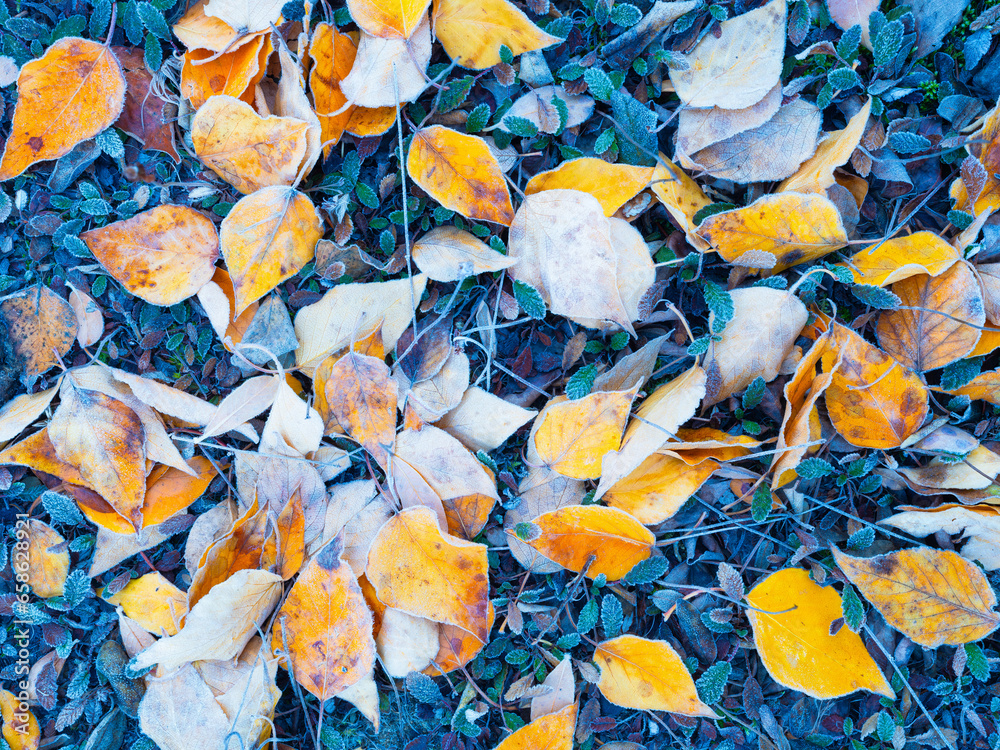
(246, 150)
(872, 400)
(647, 675)
(153, 602)
(791, 617)
(794, 227)
(900, 258)
(448, 253)
(573, 436)
(21, 729)
(105, 440)
(325, 627)
(461, 173)
(681, 196)
(599, 540)
(387, 72)
(658, 487)
(48, 560)
(220, 624)
(934, 597)
(540, 491)
(268, 237)
(163, 255)
(196, 30)
(71, 93)
(235, 73)
(740, 66)
(816, 173)
(612, 184)
(552, 731)
(362, 397)
(397, 19)
(41, 327)
(472, 31)
(944, 329)
(416, 567)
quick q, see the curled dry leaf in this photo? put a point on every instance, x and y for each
(461, 173)
(291, 101)
(387, 72)
(145, 116)
(473, 32)
(900, 258)
(80, 80)
(552, 731)
(872, 400)
(740, 66)
(246, 401)
(41, 326)
(448, 253)
(48, 560)
(791, 616)
(362, 397)
(765, 324)
(197, 30)
(416, 567)
(934, 597)
(246, 150)
(612, 184)
(592, 538)
(939, 320)
(975, 471)
(163, 255)
(268, 237)
(434, 397)
(647, 675)
(794, 227)
(325, 627)
(979, 525)
(235, 73)
(816, 174)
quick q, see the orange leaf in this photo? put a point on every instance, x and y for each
(416, 567)
(198, 30)
(369, 121)
(71, 93)
(872, 400)
(647, 675)
(333, 55)
(235, 73)
(397, 19)
(163, 255)
(550, 732)
(37, 452)
(326, 626)
(361, 395)
(170, 490)
(611, 184)
(41, 327)
(461, 173)
(48, 560)
(572, 535)
(246, 150)
(268, 237)
(240, 549)
(20, 728)
(457, 647)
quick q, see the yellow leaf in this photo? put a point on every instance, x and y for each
(985, 387)
(448, 253)
(197, 30)
(362, 397)
(612, 184)
(872, 400)
(48, 560)
(791, 617)
(71, 93)
(472, 31)
(599, 540)
(163, 255)
(416, 567)
(21, 730)
(647, 675)
(902, 257)
(937, 333)
(540, 491)
(333, 56)
(22, 410)
(934, 597)
(246, 150)
(153, 602)
(816, 173)
(325, 627)
(41, 327)
(792, 227)
(550, 732)
(739, 66)
(573, 436)
(975, 471)
(268, 237)
(461, 173)
(391, 20)
(658, 487)
(681, 196)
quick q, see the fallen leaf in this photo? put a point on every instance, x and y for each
(537, 107)
(432, 398)
(41, 327)
(245, 16)
(388, 20)
(975, 471)
(765, 324)
(333, 54)
(145, 116)
(325, 627)
(900, 258)
(612, 184)
(794, 227)
(268, 237)
(291, 102)
(292, 422)
(473, 32)
(235, 73)
(246, 150)
(37, 452)
(153, 602)
(362, 397)
(873, 401)
(978, 525)
(388, 72)
(220, 624)
(737, 68)
(179, 710)
(934, 597)
(816, 174)
(848, 13)
(47, 560)
(197, 30)
(941, 320)
(563, 694)
(649, 675)
(89, 319)
(461, 173)
(21, 730)
(658, 487)
(550, 732)
(482, 421)
(416, 567)
(448, 253)
(163, 255)
(244, 402)
(700, 128)
(791, 617)
(571, 536)
(541, 490)
(681, 197)
(367, 122)
(71, 93)
(23, 410)
(406, 643)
